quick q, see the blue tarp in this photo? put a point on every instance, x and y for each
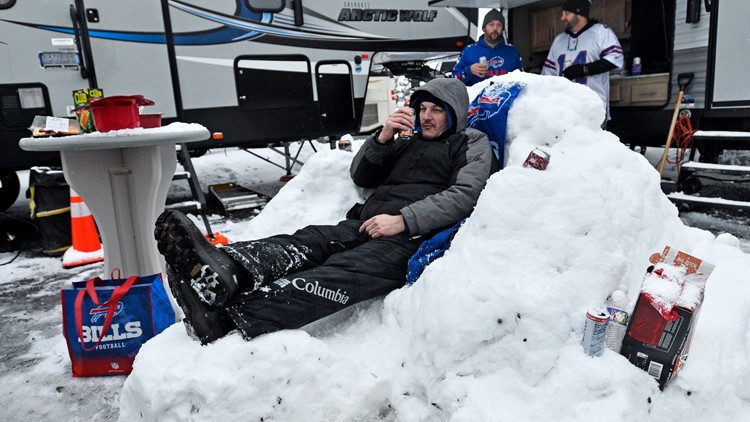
(430, 250)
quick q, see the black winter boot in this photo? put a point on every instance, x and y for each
(202, 322)
(211, 272)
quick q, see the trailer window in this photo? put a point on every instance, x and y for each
(19, 103)
(273, 82)
(7, 4)
(272, 6)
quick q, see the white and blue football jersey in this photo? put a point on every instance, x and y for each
(593, 43)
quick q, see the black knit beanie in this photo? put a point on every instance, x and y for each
(579, 7)
(493, 15)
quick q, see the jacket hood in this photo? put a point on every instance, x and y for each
(453, 93)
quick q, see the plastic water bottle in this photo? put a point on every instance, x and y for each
(636, 66)
(616, 328)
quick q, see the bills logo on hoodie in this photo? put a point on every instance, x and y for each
(494, 66)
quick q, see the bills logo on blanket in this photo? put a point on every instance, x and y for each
(105, 322)
(488, 112)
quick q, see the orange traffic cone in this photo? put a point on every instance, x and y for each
(86, 246)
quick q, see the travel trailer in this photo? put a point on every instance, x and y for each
(254, 72)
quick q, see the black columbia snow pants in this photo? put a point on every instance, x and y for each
(313, 273)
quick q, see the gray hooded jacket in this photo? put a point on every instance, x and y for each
(431, 183)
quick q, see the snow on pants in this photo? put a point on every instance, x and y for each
(313, 273)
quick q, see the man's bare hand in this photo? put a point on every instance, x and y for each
(478, 69)
(399, 120)
(383, 225)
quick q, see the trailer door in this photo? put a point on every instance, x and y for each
(731, 42)
(129, 50)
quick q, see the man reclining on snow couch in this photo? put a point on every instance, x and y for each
(420, 186)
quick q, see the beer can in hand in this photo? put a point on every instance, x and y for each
(483, 61)
(594, 331)
(537, 159)
(408, 133)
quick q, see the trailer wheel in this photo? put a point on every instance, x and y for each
(10, 186)
(195, 153)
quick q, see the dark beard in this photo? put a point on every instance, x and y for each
(489, 38)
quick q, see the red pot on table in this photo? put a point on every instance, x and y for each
(117, 112)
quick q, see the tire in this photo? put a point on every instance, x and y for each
(195, 153)
(10, 186)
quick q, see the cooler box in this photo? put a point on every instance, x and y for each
(49, 201)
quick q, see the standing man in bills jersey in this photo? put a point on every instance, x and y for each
(586, 51)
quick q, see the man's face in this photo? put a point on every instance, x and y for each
(434, 119)
(492, 31)
(570, 19)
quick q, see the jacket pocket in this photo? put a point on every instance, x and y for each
(355, 211)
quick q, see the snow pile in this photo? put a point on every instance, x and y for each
(669, 286)
(322, 193)
(492, 330)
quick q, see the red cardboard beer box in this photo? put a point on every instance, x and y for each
(661, 325)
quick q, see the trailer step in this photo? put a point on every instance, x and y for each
(184, 206)
(700, 202)
(706, 180)
(709, 135)
(238, 202)
(181, 175)
(710, 143)
(716, 168)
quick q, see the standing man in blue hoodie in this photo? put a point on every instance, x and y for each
(499, 57)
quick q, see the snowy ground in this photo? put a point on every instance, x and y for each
(490, 332)
(35, 380)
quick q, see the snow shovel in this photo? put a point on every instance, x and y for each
(683, 80)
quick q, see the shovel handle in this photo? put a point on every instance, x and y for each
(671, 132)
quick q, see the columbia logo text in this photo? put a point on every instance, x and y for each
(316, 289)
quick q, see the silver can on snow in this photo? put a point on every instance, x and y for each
(594, 331)
(345, 145)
